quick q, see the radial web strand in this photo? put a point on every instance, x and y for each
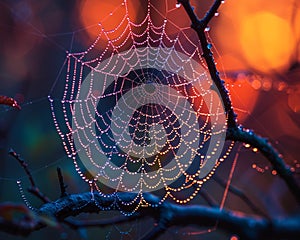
(138, 112)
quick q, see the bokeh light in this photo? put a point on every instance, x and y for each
(267, 41)
(259, 35)
(108, 15)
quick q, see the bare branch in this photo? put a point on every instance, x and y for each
(23, 164)
(62, 185)
(211, 12)
(33, 189)
(262, 144)
(199, 26)
(36, 192)
(166, 214)
(234, 132)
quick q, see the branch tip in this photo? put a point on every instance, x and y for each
(61, 183)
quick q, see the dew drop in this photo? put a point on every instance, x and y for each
(178, 5)
(207, 29)
(217, 14)
(209, 46)
(247, 145)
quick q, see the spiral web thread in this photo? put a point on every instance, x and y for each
(150, 66)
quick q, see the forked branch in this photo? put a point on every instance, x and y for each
(33, 189)
(235, 132)
(166, 215)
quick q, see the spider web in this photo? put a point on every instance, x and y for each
(71, 69)
(156, 30)
(138, 112)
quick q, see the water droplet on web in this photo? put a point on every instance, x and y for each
(247, 145)
(145, 124)
(255, 150)
(274, 172)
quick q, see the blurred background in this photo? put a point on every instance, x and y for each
(256, 45)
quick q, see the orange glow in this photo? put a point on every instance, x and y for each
(256, 84)
(177, 20)
(294, 99)
(95, 15)
(260, 35)
(267, 41)
(243, 96)
(267, 85)
(228, 62)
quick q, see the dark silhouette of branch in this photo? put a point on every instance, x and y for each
(62, 185)
(248, 136)
(166, 215)
(199, 26)
(235, 132)
(33, 189)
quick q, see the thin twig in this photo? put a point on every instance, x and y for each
(211, 12)
(264, 146)
(23, 164)
(62, 185)
(34, 190)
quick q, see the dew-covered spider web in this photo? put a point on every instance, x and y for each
(138, 111)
